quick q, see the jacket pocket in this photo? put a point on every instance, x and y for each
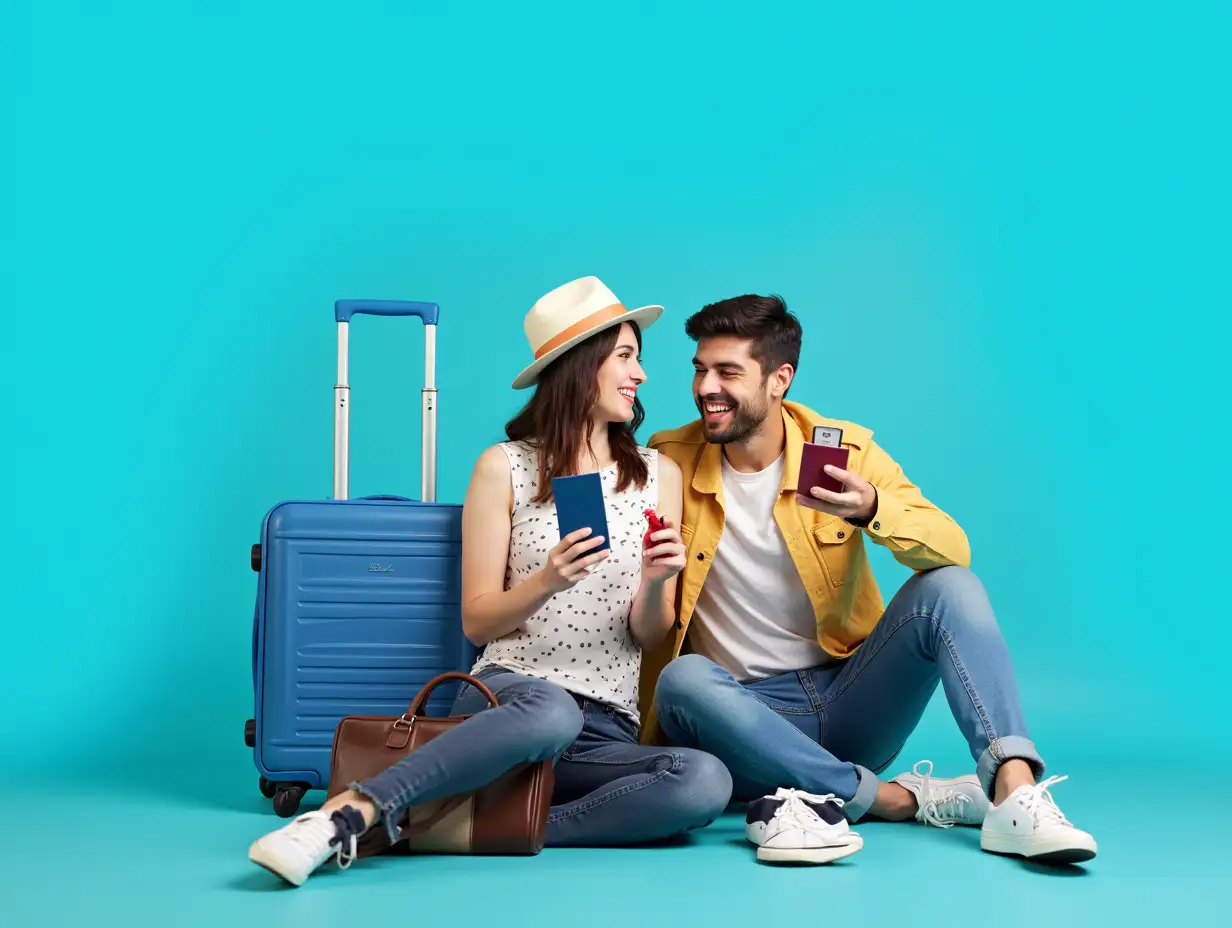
(834, 547)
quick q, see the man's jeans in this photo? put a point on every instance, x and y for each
(610, 790)
(832, 729)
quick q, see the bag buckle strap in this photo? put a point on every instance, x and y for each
(400, 733)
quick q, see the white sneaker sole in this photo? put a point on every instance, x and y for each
(263, 857)
(810, 855)
(1058, 849)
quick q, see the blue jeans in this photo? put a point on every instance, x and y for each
(832, 729)
(610, 790)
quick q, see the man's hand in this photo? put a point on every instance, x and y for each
(858, 500)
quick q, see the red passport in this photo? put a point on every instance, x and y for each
(813, 461)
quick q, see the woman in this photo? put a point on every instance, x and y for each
(562, 625)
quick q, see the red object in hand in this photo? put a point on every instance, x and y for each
(656, 524)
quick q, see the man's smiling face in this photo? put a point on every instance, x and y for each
(732, 393)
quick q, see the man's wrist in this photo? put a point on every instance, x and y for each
(863, 521)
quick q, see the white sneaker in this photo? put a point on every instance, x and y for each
(294, 851)
(945, 803)
(1029, 824)
(793, 826)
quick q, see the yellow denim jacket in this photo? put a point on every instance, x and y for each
(827, 550)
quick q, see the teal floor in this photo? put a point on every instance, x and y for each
(177, 857)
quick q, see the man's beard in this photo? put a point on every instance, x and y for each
(744, 419)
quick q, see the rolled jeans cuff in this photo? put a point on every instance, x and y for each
(391, 807)
(858, 805)
(1012, 747)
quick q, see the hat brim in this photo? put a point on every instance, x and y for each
(643, 316)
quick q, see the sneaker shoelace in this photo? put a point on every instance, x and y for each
(1038, 802)
(348, 852)
(944, 810)
(796, 812)
(316, 831)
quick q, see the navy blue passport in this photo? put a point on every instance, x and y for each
(579, 504)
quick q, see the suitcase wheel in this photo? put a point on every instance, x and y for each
(287, 798)
(268, 789)
(254, 558)
(250, 733)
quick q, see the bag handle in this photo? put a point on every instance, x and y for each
(422, 698)
(400, 731)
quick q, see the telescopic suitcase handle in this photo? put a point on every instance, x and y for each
(430, 314)
(345, 309)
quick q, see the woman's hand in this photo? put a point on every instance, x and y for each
(568, 562)
(664, 557)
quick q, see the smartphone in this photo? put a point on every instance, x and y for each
(580, 504)
(813, 460)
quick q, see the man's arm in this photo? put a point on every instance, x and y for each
(894, 513)
(919, 534)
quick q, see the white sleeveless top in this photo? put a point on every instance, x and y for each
(580, 639)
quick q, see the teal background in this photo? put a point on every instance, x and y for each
(1005, 230)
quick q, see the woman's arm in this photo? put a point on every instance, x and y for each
(489, 611)
(654, 605)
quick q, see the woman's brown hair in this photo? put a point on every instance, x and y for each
(557, 421)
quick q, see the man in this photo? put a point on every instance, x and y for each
(787, 665)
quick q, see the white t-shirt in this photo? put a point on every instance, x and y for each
(753, 615)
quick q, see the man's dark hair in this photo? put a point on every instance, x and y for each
(765, 320)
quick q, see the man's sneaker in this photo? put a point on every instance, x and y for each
(1029, 824)
(294, 851)
(793, 826)
(945, 803)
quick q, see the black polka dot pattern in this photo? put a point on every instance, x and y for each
(580, 639)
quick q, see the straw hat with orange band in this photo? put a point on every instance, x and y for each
(570, 314)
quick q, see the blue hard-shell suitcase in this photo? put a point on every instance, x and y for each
(358, 601)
